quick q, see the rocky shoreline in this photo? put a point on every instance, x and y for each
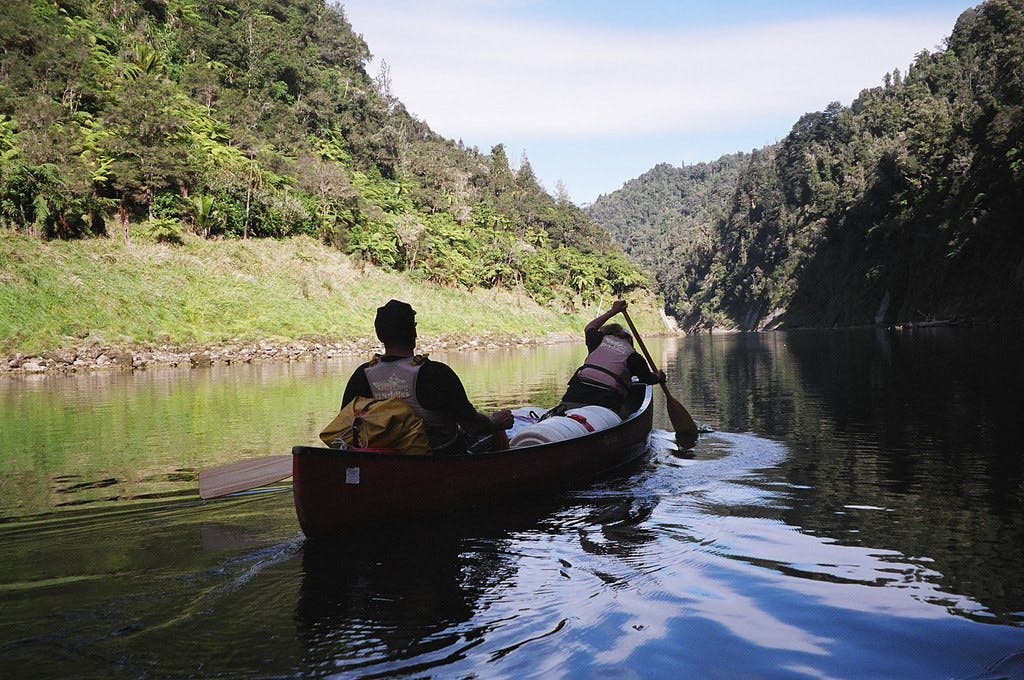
(96, 356)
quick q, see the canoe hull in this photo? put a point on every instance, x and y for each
(339, 491)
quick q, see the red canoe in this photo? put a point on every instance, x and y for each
(339, 491)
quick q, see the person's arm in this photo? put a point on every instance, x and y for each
(450, 394)
(476, 423)
(598, 321)
(637, 366)
(358, 386)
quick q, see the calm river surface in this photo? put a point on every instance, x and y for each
(857, 513)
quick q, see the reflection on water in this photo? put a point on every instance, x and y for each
(856, 513)
(103, 438)
(904, 441)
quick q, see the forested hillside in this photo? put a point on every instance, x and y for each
(172, 119)
(667, 213)
(903, 207)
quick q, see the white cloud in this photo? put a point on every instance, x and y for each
(472, 76)
(599, 98)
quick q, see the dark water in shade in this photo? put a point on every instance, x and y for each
(858, 513)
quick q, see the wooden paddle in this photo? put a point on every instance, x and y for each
(243, 476)
(685, 427)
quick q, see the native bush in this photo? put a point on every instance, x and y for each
(258, 124)
(376, 241)
(161, 230)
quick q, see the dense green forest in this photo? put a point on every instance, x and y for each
(903, 207)
(161, 120)
(660, 217)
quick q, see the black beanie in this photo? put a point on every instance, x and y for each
(395, 321)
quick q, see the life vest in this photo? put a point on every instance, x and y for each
(396, 379)
(606, 365)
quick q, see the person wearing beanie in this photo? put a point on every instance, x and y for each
(431, 388)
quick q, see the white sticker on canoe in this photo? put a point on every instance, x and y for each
(351, 475)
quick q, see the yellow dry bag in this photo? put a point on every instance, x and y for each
(377, 424)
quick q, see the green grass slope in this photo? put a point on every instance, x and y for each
(58, 294)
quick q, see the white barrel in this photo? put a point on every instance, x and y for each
(554, 429)
(598, 417)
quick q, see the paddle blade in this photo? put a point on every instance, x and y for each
(244, 475)
(682, 422)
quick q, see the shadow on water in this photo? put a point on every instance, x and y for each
(396, 604)
(429, 596)
(408, 600)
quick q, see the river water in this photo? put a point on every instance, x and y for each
(857, 513)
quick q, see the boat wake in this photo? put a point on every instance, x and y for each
(245, 568)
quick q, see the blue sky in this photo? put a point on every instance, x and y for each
(595, 93)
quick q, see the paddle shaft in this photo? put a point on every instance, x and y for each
(681, 419)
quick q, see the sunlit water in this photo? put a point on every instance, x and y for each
(857, 513)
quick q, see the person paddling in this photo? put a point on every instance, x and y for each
(612, 362)
(431, 388)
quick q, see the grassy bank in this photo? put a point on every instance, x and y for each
(57, 294)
